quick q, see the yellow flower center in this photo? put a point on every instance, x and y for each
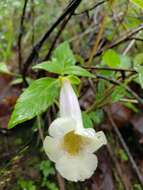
(72, 143)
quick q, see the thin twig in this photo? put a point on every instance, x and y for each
(32, 22)
(70, 8)
(118, 168)
(91, 28)
(140, 100)
(125, 37)
(122, 39)
(110, 69)
(39, 128)
(57, 36)
(20, 35)
(97, 41)
(134, 165)
(60, 182)
(91, 8)
(137, 39)
(130, 45)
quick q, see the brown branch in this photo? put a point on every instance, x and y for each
(61, 182)
(97, 41)
(36, 48)
(110, 69)
(134, 165)
(32, 22)
(91, 8)
(40, 128)
(139, 99)
(137, 39)
(57, 36)
(21, 30)
(123, 38)
(122, 176)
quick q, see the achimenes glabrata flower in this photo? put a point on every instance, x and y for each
(70, 145)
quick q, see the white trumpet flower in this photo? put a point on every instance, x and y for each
(70, 145)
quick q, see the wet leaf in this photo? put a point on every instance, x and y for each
(34, 100)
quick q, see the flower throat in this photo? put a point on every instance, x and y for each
(72, 143)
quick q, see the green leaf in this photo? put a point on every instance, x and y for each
(63, 63)
(73, 79)
(97, 116)
(50, 66)
(137, 186)
(87, 121)
(55, 67)
(26, 184)
(4, 69)
(101, 86)
(51, 186)
(133, 22)
(107, 73)
(138, 66)
(94, 117)
(138, 60)
(34, 100)
(79, 59)
(140, 76)
(139, 69)
(19, 80)
(118, 93)
(125, 62)
(76, 70)
(139, 3)
(122, 154)
(46, 168)
(64, 54)
(131, 106)
(111, 58)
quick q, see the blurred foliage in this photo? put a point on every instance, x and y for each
(47, 169)
(122, 155)
(26, 185)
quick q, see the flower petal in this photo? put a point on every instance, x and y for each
(77, 168)
(52, 148)
(69, 105)
(86, 132)
(59, 127)
(96, 141)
